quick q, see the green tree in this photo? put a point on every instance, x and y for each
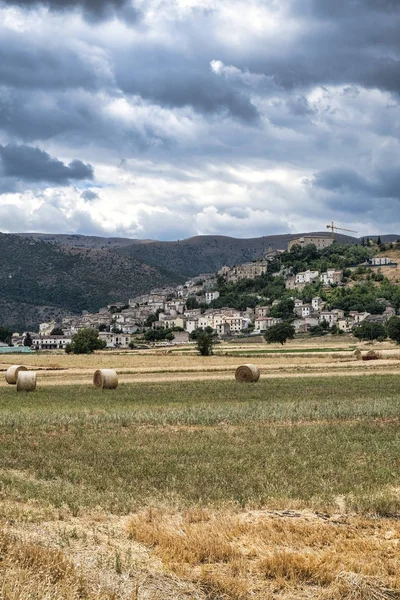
(204, 343)
(193, 335)
(368, 330)
(393, 329)
(57, 331)
(317, 330)
(279, 333)
(152, 319)
(283, 310)
(158, 335)
(191, 303)
(28, 340)
(5, 335)
(86, 341)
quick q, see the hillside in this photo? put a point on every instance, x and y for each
(82, 241)
(200, 254)
(44, 276)
(39, 280)
(209, 253)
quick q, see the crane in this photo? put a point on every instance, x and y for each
(334, 228)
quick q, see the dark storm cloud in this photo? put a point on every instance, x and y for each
(182, 81)
(28, 63)
(343, 42)
(385, 183)
(92, 9)
(211, 108)
(33, 164)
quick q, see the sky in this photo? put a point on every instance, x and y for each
(165, 119)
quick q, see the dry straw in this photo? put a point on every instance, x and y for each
(247, 374)
(12, 373)
(353, 586)
(371, 355)
(26, 381)
(107, 379)
(357, 354)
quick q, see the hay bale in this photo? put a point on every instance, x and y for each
(26, 381)
(357, 354)
(106, 379)
(371, 355)
(247, 374)
(12, 373)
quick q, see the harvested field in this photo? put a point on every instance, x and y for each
(295, 359)
(190, 487)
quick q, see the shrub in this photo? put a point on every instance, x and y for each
(393, 329)
(85, 341)
(205, 343)
(279, 333)
(368, 330)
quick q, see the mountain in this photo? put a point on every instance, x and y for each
(41, 280)
(82, 241)
(188, 258)
(45, 276)
(208, 253)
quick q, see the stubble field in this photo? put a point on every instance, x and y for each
(183, 483)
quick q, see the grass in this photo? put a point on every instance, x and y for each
(197, 479)
(208, 442)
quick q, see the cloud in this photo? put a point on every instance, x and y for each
(240, 117)
(384, 183)
(92, 9)
(33, 164)
(89, 195)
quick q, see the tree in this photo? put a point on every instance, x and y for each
(158, 335)
(194, 335)
(152, 319)
(379, 241)
(191, 303)
(28, 340)
(393, 329)
(57, 331)
(368, 330)
(283, 310)
(205, 343)
(279, 333)
(5, 335)
(85, 341)
(317, 330)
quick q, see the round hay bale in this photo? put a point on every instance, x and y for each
(357, 354)
(371, 355)
(26, 381)
(12, 373)
(247, 374)
(106, 379)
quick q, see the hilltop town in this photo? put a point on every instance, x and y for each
(233, 301)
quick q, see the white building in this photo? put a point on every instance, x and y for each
(377, 261)
(192, 324)
(115, 340)
(50, 342)
(303, 311)
(358, 316)
(264, 323)
(331, 276)
(210, 296)
(306, 276)
(316, 303)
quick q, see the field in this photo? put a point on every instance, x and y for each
(183, 483)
